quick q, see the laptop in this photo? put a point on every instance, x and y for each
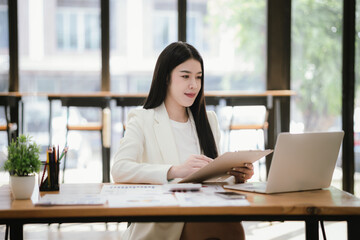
(303, 161)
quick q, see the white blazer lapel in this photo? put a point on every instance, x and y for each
(165, 136)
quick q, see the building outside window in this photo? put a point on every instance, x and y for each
(4, 47)
(78, 29)
(59, 52)
(4, 68)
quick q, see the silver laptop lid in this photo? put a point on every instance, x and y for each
(303, 161)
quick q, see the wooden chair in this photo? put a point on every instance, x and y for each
(249, 118)
(125, 103)
(104, 127)
(8, 126)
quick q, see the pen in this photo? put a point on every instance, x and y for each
(43, 175)
(47, 166)
(63, 152)
(57, 166)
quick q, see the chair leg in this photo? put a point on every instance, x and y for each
(8, 130)
(66, 142)
(7, 232)
(65, 157)
(228, 139)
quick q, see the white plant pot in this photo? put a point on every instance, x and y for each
(22, 187)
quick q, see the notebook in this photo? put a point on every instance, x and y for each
(300, 162)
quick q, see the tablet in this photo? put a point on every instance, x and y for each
(222, 164)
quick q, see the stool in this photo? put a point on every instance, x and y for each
(104, 128)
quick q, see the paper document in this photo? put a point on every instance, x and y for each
(113, 189)
(201, 199)
(142, 200)
(132, 195)
(137, 195)
(224, 163)
(71, 199)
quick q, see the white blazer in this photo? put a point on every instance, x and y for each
(145, 155)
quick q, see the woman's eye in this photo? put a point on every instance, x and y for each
(198, 77)
(185, 76)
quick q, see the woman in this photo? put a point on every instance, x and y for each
(172, 137)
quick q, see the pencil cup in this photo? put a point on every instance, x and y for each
(49, 179)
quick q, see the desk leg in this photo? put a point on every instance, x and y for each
(353, 229)
(16, 231)
(312, 229)
(106, 164)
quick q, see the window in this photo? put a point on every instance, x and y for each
(357, 102)
(59, 51)
(4, 33)
(59, 46)
(78, 29)
(231, 37)
(67, 30)
(140, 29)
(165, 32)
(4, 47)
(316, 68)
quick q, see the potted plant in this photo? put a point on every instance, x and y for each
(22, 163)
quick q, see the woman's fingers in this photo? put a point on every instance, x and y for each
(242, 173)
(249, 166)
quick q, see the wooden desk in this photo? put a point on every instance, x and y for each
(310, 206)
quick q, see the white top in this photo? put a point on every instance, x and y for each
(185, 139)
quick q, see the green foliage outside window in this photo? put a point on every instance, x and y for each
(23, 157)
(316, 50)
(246, 22)
(316, 61)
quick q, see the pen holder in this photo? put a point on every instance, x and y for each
(50, 177)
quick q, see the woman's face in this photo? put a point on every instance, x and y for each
(185, 84)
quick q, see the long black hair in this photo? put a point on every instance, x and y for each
(172, 56)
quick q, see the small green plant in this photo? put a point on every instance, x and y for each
(23, 157)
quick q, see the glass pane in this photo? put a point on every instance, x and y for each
(140, 29)
(59, 46)
(59, 52)
(4, 47)
(316, 69)
(357, 102)
(4, 73)
(231, 37)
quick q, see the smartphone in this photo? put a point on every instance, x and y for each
(231, 195)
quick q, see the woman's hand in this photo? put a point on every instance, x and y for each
(242, 174)
(192, 164)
